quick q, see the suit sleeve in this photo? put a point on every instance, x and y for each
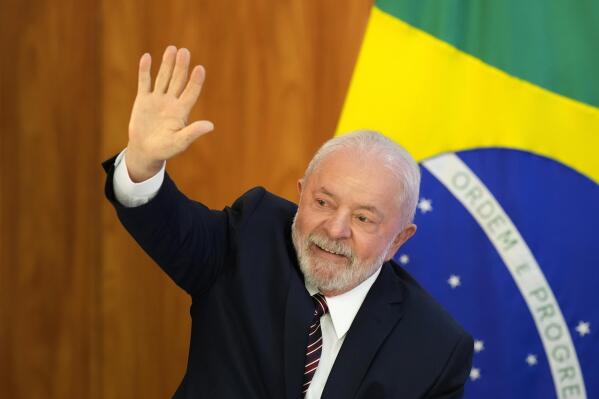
(185, 238)
(450, 384)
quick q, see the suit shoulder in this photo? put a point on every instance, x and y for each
(261, 203)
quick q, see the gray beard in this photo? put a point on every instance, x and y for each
(328, 276)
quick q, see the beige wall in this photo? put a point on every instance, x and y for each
(83, 311)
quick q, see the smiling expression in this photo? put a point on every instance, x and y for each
(348, 221)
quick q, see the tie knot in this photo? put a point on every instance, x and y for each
(320, 304)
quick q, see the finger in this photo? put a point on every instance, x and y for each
(191, 132)
(194, 87)
(180, 73)
(144, 83)
(166, 69)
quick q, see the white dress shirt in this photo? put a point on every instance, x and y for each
(342, 308)
(132, 194)
(334, 326)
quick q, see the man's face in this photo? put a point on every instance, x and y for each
(348, 221)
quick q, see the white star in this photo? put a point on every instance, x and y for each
(425, 205)
(454, 281)
(583, 328)
(531, 359)
(479, 345)
(474, 374)
(404, 259)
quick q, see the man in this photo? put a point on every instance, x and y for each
(288, 301)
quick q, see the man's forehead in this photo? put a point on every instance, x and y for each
(357, 165)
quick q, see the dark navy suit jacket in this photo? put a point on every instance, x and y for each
(250, 310)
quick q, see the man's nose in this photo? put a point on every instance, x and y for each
(338, 226)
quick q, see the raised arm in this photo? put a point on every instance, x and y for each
(184, 237)
(158, 128)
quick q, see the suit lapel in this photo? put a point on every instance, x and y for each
(378, 314)
(298, 315)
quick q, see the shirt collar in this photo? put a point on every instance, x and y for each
(344, 307)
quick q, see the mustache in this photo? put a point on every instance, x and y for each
(331, 245)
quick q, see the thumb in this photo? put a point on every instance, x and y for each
(194, 130)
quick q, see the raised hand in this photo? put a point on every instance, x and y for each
(158, 128)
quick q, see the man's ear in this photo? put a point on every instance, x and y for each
(300, 186)
(400, 239)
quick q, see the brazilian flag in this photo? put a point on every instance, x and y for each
(498, 100)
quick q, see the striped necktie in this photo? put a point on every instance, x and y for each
(314, 341)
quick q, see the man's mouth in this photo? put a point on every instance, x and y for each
(329, 251)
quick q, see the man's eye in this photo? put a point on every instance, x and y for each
(321, 202)
(363, 219)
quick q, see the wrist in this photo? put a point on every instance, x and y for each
(140, 168)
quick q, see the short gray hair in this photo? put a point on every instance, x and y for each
(393, 156)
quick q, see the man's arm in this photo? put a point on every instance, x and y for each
(129, 193)
(185, 238)
(450, 384)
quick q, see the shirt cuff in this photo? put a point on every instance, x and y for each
(130, 194)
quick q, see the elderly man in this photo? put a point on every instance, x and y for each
(288, 302)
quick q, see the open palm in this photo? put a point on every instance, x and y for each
(158, 128)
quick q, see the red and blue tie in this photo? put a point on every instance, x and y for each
(314, 348)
